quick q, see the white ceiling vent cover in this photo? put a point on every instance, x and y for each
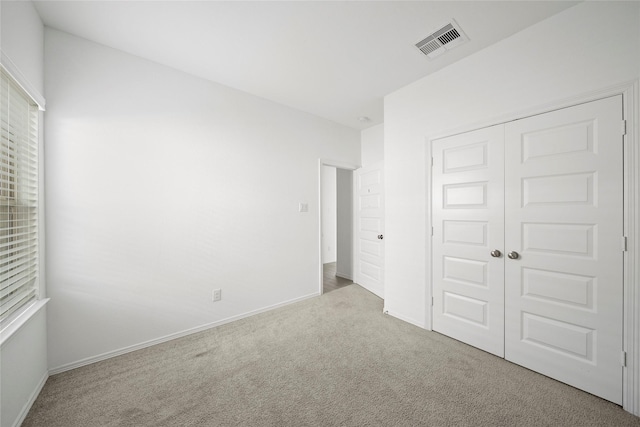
(446, 38)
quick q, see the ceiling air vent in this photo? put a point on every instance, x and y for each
(446, 38)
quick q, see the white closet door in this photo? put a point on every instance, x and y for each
(468, 207)
(563, 181)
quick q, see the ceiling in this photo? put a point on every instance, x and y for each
(333, 59)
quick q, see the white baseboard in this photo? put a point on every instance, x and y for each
(27, 406)
(129, 349)
(344, 276)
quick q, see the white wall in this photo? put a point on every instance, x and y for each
(372, 145)
(345, 224)
(23, 355)
(23, 369)
(329, 214)
(588, 47)
(22, 40)
(161, 187)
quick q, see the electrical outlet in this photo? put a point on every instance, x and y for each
(217, 295)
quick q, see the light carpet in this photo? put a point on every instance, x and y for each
(334, 360)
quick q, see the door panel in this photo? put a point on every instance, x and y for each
(468, 201)
(547, 192)
(563, 296)
(370, 217)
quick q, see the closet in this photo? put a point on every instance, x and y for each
(527, 225)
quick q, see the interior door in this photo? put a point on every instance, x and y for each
(564, 291)
(552, 300)
(370, 228)
(468, 224)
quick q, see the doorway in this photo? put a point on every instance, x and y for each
(336, 226)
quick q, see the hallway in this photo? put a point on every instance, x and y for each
(331, 282)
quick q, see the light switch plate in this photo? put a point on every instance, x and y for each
(303, 207)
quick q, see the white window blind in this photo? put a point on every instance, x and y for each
(18, 197)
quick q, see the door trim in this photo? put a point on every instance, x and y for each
(338, 165)
(630, 92)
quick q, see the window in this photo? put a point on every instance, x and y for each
(18, 198)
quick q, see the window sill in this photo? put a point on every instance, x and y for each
(13, 327)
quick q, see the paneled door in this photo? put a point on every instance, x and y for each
(468, 232)
(564, 300)
(370, 228)
(556, 267)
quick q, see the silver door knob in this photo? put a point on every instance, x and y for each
(380, 236)
(513, 255)
(496, 253)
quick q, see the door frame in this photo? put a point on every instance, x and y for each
(338, 165)
(630, 92)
